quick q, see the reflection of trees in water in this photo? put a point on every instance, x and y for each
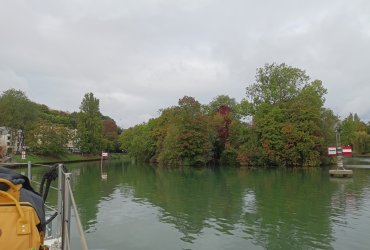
(277, 209)
(89, 189)
(292, 209)
(349, 195)
(189, 199)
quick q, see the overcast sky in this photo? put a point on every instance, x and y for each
(138, 56)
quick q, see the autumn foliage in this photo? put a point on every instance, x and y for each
(282, 122)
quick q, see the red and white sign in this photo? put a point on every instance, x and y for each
(332, 151)
(347, 151)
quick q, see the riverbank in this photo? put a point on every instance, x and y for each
(367, 155)
(68, 157)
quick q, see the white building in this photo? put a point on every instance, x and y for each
(5, 140)
(11, 139)
(73, 140)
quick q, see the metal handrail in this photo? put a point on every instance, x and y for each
(77, 217)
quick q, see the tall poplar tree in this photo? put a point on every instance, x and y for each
(89, 125)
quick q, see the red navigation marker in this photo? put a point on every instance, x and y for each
(347, 151)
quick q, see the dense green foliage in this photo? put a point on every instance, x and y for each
(281, 122)
(16, 110)
(286, 114)
(110, 132)
(46, 138)
(18, 113)
(187, 140)
(355, 133)
(180, 136)
(89, 125)
(52, 132)
(58, 117)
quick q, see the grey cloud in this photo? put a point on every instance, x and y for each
(141, 56)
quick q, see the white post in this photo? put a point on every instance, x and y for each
(60, 199)
(339, 150)
(29, 170)
(66, 212)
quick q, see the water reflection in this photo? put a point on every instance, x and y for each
(249, 201)
(153, 208)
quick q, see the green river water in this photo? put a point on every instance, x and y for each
(143, 207)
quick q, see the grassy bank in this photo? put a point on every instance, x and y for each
(69, 157)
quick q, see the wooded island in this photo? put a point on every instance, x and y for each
(281, 122)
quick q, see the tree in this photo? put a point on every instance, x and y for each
(221, 100)
(89, 125)
(360, 142)
(268, 122)
(328, 125)
(48, 138)
(57, 116)
(138, 143)
(16, 110)
(281, 122)
(286, 115)
(249, 150)
(110, 135)
(329, 122)
(186, 139)
(355, 132)
(17, 113)
(348, 129)
(244, 109)
(276, 83)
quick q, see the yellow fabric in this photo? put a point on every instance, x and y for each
(18, 222)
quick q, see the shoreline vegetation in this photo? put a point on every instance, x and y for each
(281, 122)
(66, 158)
(75, 158)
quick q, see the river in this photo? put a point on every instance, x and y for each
(142, 207)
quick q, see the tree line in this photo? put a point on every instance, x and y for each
(281, 121)
(50, 132)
